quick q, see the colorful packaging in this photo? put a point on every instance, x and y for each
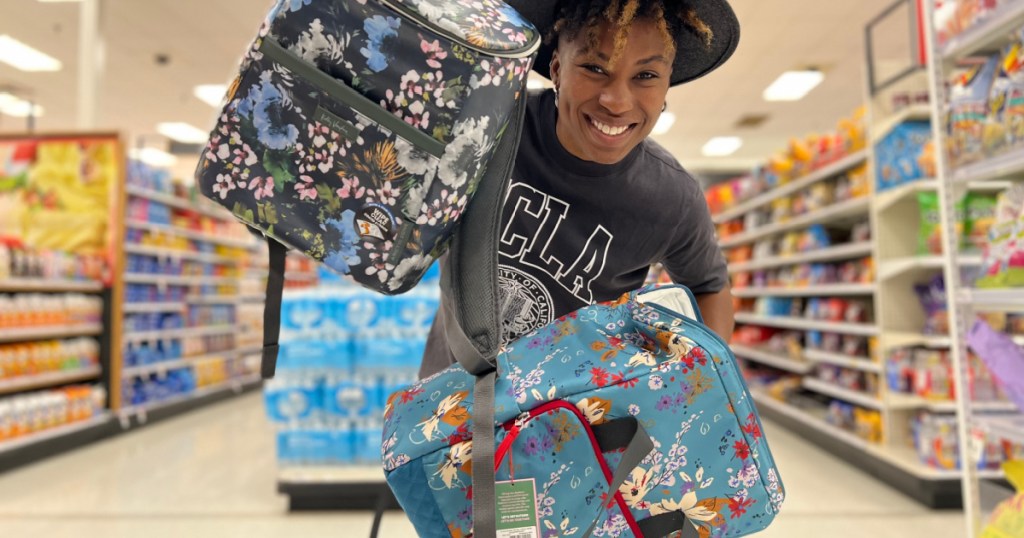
(968, 109)
(932, 296)
(1004, 359)
(980, 215)
(897, 155)
(1007, 520)
(930, 238)
(1002, 239)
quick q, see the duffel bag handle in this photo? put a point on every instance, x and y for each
(627, 433)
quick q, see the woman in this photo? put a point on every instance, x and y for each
(593, 203)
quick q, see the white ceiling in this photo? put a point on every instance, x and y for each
(204, 39)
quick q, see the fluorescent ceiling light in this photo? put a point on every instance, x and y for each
(721, 146)
(793, 85)
(665, 122)
(183, 132)
(153, 157)
(211, 94)
(24, 57)
(18, 108)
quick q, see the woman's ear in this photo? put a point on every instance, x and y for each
(554, 67)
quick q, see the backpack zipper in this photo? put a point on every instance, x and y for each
(521, 52)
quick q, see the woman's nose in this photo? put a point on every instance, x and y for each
(616, 98)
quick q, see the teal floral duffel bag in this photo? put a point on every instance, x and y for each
(357, 131)
(628, 418)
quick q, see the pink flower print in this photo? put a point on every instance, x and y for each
(305, 188)
(434, 53)
(417, 116)
(262, 187)
(388, 194)
(377, 266)
(430, 213)
(350, 188)
(410, 84)
(224, 185)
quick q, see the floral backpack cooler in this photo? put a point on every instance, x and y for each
(358, 131)
(628, 418)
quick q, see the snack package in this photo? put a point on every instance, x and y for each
(1007, 520)
(1002, 239)
(1004, 358)
(980, 214)
(996, 133)
(968, 107)
(929, 238)
(897, 155)
(932, 295)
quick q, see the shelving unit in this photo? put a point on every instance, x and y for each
(213, 243)
(775, 360)
(50, 379)
(833, 213)
(18, 285)
(985, 38)
(808, 291)
(836, 253)
(861, 329)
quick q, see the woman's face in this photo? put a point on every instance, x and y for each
(604, 111)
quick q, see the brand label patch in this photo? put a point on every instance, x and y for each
(341, 126)
(375, 222)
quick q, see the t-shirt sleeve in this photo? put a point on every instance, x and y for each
(694, 258)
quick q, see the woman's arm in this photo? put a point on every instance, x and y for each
(716, 308)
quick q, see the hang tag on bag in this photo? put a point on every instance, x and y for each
(516, 507)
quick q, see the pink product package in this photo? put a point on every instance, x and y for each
(1004, 358)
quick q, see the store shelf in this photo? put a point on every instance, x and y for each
(903, 460)
(836, 253)
(163, 367)
(890, 197)
(169, 280)
(781, 322)
(46, 333)
(189, 234)
(896, 267)
(988, 35)
(176, 254)
(51, 379)
(993, 299)
(1009, 427)
(797, 185)
(774, 360)
(894, 339)
(214, 299)
(252, 297)
(232, 385)
(1007, 165)
(53, 433)
(807, 291)
(835, 212)
(196, 206)
(169, 334)
(339, 474)
(863, 364)
(15, 285)
(918, 112)
(851, 396)
(150, 308)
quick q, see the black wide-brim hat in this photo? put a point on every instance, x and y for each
(694, 58)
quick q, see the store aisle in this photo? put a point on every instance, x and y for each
(211, 474)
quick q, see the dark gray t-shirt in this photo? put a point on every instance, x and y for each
(577, 232)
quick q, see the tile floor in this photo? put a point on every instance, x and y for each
(211, 473)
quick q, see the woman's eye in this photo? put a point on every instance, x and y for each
(647, 75)
(594, 69)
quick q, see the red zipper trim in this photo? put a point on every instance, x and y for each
(514, 431)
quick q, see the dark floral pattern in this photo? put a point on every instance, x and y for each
(315, 165)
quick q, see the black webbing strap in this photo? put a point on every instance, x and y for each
(666, 524)
(272, 308)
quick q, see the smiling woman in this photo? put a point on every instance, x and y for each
(593, 202)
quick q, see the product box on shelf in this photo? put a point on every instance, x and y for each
(904, 155)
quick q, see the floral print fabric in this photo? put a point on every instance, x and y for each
(357, 130)
(619, 359)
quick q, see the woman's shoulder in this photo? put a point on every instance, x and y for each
(659, 162)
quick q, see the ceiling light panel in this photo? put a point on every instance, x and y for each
(25, 58)
(793, 85)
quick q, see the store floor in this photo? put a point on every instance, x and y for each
(211, 474)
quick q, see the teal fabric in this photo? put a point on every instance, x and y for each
(624, 358)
